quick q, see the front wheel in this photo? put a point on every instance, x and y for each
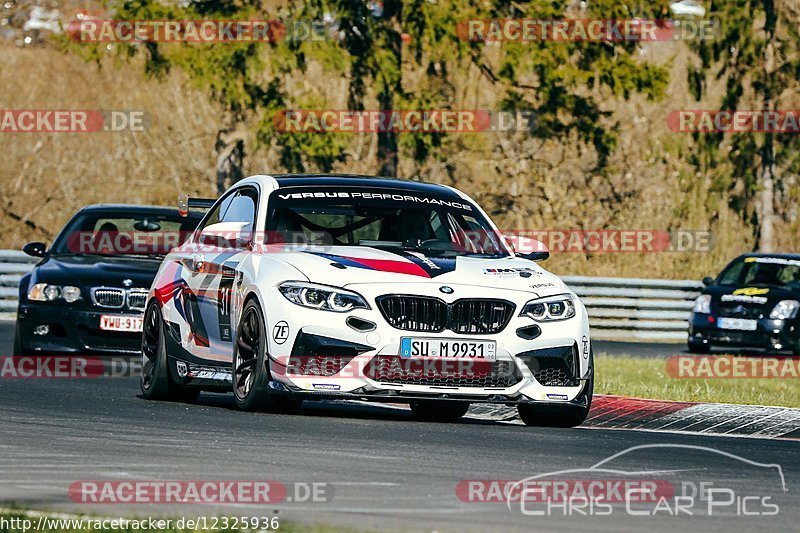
(433, 411)
(155, 381)
(251, 375)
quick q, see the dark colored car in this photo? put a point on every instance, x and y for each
(87, 294)
(753, 304)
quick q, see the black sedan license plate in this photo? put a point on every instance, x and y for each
(448, 348)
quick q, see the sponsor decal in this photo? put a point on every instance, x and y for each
(563, 397)
(542, 285)
(509, 271)
(772, 260)
(425, 260)
(325, 386)
(375, 196)
(743, 298)
(585, 343)
(280, 332)
(750, 291)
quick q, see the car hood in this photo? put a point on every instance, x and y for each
(88, 270)
(347, 265)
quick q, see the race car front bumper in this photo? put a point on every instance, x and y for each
(357, 355)
(770, 335)
(71, 330)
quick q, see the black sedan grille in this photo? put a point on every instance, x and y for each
(553, 367)
(115, 298)
(741, 311)
(105, 297)
(426, 314)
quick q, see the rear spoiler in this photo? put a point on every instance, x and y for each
(185, 203)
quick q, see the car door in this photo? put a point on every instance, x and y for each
(222, 239)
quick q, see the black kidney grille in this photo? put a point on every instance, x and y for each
(414, 313)
(480, 316)
(427, 314)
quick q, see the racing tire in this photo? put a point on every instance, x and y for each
(433, 411)
(564, 417)
(17, 350)
(250, 371)
(155, 381)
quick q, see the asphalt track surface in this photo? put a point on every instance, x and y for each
(387, 471)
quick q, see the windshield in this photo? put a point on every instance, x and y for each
(767, 271)
(120, 233)
(381, 218)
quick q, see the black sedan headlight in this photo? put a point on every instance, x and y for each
(550, 309)
(44, 292)
(322, 297)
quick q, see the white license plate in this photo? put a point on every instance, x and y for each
(121, 323)
(448, 348)
(743, 324)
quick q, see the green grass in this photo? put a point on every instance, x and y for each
(11, 522)
(648, 378)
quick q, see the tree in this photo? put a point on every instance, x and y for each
(757, 57)
(402, 55)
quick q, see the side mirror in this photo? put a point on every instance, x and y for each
(708, 280)
(35, 249)
(536, 256)
(527, 248)
(226, 235)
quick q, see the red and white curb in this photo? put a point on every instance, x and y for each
(619, 412)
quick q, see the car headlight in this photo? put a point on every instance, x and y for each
(322, 297)
(560, 307)
(43, 292)
(702, 304)
(70, 293)
(785, 309)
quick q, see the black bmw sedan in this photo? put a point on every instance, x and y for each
(753, 303)
(87, 294)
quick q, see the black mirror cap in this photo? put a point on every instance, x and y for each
(35, 249)
(535, 256)
(708, 280)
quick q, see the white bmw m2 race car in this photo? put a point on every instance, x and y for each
(304, 287)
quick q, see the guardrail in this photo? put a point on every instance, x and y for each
(13, 265)
(619, 308)
(636, 308)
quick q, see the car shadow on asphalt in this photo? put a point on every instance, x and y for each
(338, 409)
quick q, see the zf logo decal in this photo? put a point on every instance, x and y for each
(280, 332)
